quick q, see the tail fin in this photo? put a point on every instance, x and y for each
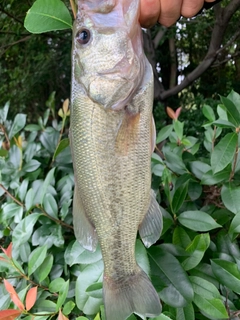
(135, 294)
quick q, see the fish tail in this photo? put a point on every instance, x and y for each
(134, 294)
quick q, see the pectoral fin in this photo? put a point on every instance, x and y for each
(151, 227)
(83, 229)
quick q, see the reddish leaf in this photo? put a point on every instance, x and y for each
(3, 259)
(31, 298)
(62, 316)
(13, 294)
(178, 111)
(171, 113)
(10, 314)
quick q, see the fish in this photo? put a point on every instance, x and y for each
(112, 137)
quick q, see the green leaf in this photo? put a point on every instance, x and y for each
(142, 256)
(180, 237)
(198, 221)
(235, 98)
(221, 111)
(179, 197)
(50, 205)
(223, 124)
(56, 285)
(48, 181)
(169, 278)
(196, 249)
(232, 111)
(231, 197)
(208, 112)
(62, 295)
(204, 288)
(227, 274)
(46, 16)
(29, 199)
(4, 112)
(167, 220)
(44, 269)
(234, 228)
(90, 275)
(178, 128)
(32, 127)
(49, 235)
(223, 152)
(60, 147)
(185, 313)
(95, 290)
(175, 163)
(204, 271)
(194, 190)
(198, 168)
(42, 305)
(157, 169)
(210, 179)
(23, 230)
(213, 308)
(18, 124)
(24, 251)
(32, 165)
(36, 259)
(22, 190)
(162, 317)
(76, 254)
(164, 133)
(10, 210)
(68, 307)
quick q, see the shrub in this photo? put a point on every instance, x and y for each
(194, 266)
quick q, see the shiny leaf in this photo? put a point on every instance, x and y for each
(36, 259)
(223, 152)
(213, 308)
(231, 197)
(198, 221)
(227, 274)
(169, 278)
(46, 16)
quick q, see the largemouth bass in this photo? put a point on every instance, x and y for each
(112, 137)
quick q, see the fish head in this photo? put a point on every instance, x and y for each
(108, 59)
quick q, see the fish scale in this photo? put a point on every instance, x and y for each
(111, 138)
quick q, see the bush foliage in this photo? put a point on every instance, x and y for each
(195, 264)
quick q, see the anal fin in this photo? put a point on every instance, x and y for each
(83, 229)
(151, 227)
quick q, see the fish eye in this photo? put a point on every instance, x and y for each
(83, 36)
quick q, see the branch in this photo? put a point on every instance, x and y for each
(11, 196)
(217, 64)
(159, 36)
(173, 75)
(150, 52)
(234, 37)
(15, 42)
(11, 16)
(223, 15)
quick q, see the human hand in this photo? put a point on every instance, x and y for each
(167, 12)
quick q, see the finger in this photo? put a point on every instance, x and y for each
(149, 12)
(170, 12)
(191, 7)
